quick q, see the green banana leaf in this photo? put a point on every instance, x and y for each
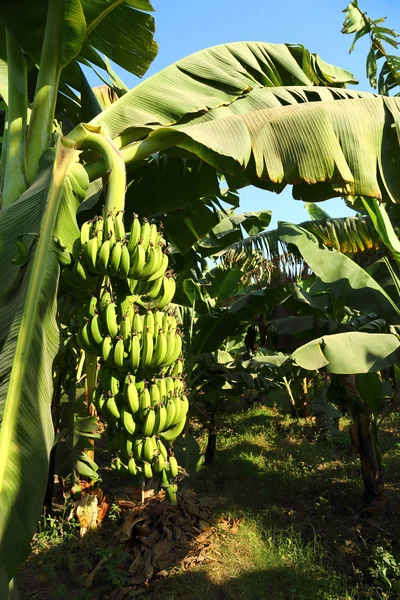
(212, 329)
(211, 79)
(122, 30)
(341, 274)
(349, 353)
(29, 344)
(349, 235)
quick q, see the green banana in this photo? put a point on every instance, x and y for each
(178, 406)
(167, 293)
(148, 450)
(161, 270)
(119, 349)
(148, 322)
(146, 349)
(144, 402)
(132, 467)
(104, 257)
(138, 445)
(177, 369)
(96, 329)
(109, 230)
(79, 272)
(147, 470)
(107, 349)
(128, 421)
(88, 341)
(162, 388)
(98, 228)
(162, 449)
(85, 233)
(92, 306)
(114, 383)
(152, 263)
(159, 463)
(119, 226)
(131, 394)
(89, 255)
(179, 386)
(154, 394)
(171, 434)
(110, 316)
(149, 422)
(134, 235)
(125, 329)
(112, 407)
(161, 417)
(171, 410)
(135, 353)
(115, 259)
(137, 262)
(160, 350)
(137, 324)
(145, 233)
(176, 349)
(169, 386)
(124, 264)
(173, 466)
(153, 234)
(105, 300)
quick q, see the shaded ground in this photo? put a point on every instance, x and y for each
(302, 531)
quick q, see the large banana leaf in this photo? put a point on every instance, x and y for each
(348, 353)
(216, 77)
(121, 29)
(341, 274)
(29, 340)
(349, 235)
(348, 146)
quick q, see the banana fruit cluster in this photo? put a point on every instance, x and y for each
(144, 418)
(104, 249)
(139, 343)
(125, 321)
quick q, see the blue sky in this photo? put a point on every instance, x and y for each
(185, 26)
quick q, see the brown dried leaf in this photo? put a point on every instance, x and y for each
(152, 538)
(103, 509)
(137, 564)
(138, 578)
(91, 576)
(126, 530)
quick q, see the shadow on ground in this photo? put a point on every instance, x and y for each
(277, 476)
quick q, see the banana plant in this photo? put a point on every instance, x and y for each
(258, 113)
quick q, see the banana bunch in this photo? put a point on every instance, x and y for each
(126, 323)
(105, 249)
(133, 342)
(144, 419)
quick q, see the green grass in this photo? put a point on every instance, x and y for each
(301, 535)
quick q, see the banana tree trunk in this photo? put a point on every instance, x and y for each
(212, 441)
(364, 441)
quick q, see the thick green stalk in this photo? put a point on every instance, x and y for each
(44, 103)
(65, 156)
(112, 163)
(133, 152)
(3, 152)
(14, 177)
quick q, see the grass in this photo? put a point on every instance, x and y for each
(301, 533)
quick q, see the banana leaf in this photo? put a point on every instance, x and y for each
(29, 344)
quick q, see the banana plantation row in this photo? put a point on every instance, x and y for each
(113, 320)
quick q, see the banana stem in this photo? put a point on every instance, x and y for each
(44, 103)
(132, 153)
(112, 161)
(14, 176)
